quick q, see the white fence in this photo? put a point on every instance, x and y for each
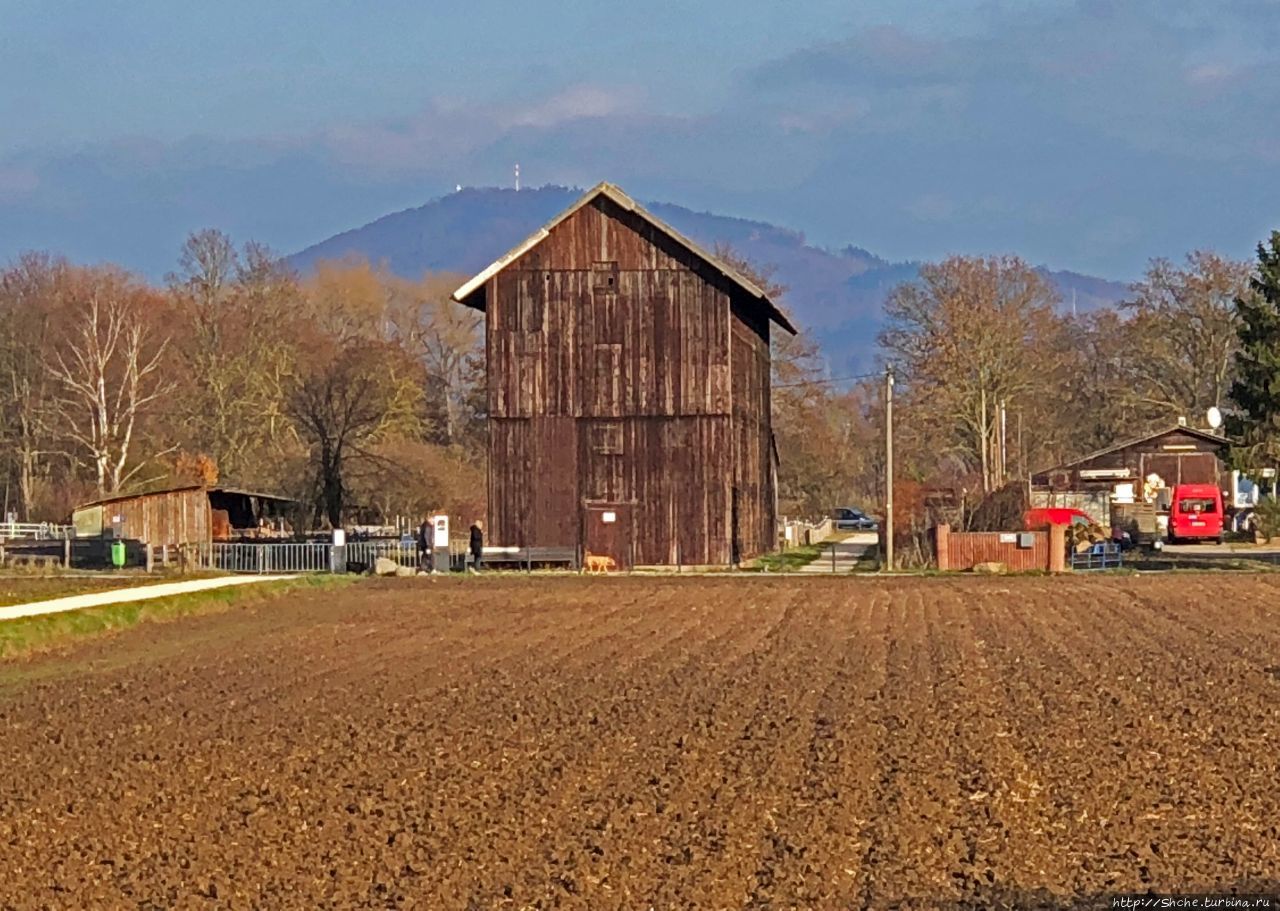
(797, 532)
(35, 531)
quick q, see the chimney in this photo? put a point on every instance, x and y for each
(1182, 420)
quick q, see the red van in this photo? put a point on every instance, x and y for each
(1195, 513)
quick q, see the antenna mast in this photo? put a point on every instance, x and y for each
(517, 177)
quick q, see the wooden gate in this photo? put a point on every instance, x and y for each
(607, 532)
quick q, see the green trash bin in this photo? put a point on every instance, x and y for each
(117, 554)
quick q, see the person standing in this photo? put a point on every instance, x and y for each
(424, 545)
(477, 545)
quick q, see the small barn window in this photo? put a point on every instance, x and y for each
(604, 276)
(606, 439)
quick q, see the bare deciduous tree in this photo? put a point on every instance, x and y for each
(447, 340)
(1182, 335)
(106, 372)
(29, 291)
(345, 403)
(235, 309)
(972, 335)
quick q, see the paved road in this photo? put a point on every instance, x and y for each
(1269, 552)
(121, 595)
(848, 554)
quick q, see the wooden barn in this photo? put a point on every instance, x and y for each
(628, 392)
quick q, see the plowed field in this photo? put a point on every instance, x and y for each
(638, 743)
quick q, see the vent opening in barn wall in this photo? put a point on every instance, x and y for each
(638, 425)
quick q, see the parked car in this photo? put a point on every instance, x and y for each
(846, 518)
(1195, 513)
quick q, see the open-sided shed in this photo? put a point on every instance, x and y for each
(191, 514)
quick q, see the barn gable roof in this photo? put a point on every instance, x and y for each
(1207, 435)
(625, 202)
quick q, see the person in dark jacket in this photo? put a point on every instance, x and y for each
(423, 540)
(477, 544)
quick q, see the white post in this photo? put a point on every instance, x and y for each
(888, 468)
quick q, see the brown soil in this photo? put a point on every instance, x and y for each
(640, 743)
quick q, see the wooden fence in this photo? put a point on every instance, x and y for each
(1017, 551)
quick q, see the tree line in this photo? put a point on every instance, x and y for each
(356, 392)
(361, 394)
(996, 379)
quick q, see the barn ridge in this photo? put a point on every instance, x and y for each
(619, 198)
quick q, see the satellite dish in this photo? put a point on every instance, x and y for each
(1214, 417)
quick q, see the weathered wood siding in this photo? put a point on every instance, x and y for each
(1178, 456)
(620, 371)
(173, 517)
(753, 435)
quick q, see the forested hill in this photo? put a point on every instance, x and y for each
(837, 294)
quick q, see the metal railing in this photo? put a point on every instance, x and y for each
(368, 552)
(273, 558)
(1099, 556)
(323, 557)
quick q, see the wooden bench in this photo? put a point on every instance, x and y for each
(528, 557)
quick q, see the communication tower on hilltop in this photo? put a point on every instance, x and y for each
(517, 177)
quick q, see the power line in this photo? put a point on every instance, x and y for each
(828, 380)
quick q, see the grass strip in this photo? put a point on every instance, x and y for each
(29, 634)
(790, 560)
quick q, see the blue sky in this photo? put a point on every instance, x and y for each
(1086, 134)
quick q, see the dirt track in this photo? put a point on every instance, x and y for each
(630, 743)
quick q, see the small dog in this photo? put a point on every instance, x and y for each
(600, 563)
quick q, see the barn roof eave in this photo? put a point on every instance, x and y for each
(465, 293)
(183, 488)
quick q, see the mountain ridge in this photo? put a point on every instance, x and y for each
(837, 295)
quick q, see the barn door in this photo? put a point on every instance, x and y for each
(607, 532)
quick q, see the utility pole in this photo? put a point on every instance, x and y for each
(887, 562)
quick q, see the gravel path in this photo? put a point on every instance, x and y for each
(848, 554)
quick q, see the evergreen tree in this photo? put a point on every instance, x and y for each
(1255, 421)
